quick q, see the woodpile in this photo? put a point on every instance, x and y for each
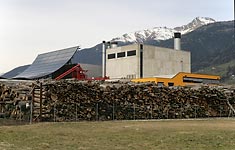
(90, 101)
(14, 101)
(68, 101)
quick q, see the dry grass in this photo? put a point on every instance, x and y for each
(130, 135)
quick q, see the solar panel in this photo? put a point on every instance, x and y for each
(47, 63)
(15, 71)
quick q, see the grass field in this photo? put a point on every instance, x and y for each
(212, 134)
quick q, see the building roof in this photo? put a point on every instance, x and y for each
(47, 63)
(14, 72)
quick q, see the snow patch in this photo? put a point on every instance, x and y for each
(163, 33)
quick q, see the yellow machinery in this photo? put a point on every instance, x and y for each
(182, 79)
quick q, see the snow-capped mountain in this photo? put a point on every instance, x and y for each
(196, 23)
(163, 33)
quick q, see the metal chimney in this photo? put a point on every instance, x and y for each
(177, 38)
(103, 59)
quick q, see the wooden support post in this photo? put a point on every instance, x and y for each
(113, 111)
(76, 112)
(97, 112)
(134, 110)
(40, 115)
(31, 106)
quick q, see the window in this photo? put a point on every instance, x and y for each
(131, 76)
(199, 80)
(192, 80)
(111, 56)
(170, 84)
(121, 54)
(160, 84)
(141, 46)
(131, 53)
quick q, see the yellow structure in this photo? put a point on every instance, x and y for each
(182, 79)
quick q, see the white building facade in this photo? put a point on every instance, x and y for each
(141, 61)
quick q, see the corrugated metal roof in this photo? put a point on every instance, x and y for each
(47, 63)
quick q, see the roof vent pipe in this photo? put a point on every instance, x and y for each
(177, 38)
(108, 44)
(114, 44)
(103, 59)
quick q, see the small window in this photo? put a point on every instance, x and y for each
(170, 84)
(160, 84)
(141, 46)
(121, 54)
(131, 53)
(111, 56)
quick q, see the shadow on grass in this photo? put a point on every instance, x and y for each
(12, 122)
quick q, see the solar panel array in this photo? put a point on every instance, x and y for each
(47, 63)
(15, 71)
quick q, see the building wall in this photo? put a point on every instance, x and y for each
(124, 67)
(92, 70)
(164, 61)
(156, 61)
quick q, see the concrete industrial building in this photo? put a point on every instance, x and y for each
(146, 63)
(141, 61)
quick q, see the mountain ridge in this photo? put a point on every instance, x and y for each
(162, 33)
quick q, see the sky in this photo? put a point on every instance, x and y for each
(31, 27)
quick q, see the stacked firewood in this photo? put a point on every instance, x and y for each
(66, 101)
(74, 101)
(13, 100)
